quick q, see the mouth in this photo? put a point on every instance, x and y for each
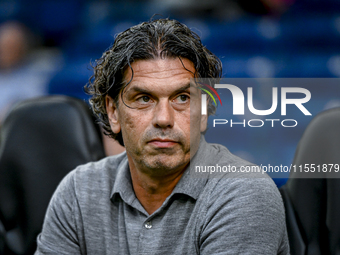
(162, 143)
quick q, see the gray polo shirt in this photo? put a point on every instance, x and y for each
(95, 211)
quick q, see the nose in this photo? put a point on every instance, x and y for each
(163, 115)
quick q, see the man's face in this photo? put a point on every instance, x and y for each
(155, 116)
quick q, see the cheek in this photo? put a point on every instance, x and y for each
(133, 125)
(186, 120)
(185, 123)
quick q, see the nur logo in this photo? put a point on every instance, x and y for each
(204, 97)
(239, 99)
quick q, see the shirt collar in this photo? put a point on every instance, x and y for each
(123, 184)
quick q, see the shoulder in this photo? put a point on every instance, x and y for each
(249, 209)
(103, 169)
(250, 190)
(242, 184)
(94, 178)
(241, 201)
(235, 184)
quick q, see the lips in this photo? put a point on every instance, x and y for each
(162, 143)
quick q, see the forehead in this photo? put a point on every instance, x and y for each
(160, 73)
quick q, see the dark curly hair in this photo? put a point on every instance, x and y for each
(149, 40)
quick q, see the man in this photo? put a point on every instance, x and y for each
(19, 76)
(144, 201)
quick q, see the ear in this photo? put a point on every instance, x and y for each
(112, 114)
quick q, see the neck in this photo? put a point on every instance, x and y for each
(152, 191)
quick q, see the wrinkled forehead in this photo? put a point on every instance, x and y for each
(159, 74)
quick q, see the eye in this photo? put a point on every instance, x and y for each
(182, 99)
(144, 99)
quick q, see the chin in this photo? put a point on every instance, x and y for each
(165, 163)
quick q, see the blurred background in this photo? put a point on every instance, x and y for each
(47, 47)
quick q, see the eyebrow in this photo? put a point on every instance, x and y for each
(184, 88)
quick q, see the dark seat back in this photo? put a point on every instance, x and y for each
(41, 141)
(312, 200)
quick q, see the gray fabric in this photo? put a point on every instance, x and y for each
(95, 211)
